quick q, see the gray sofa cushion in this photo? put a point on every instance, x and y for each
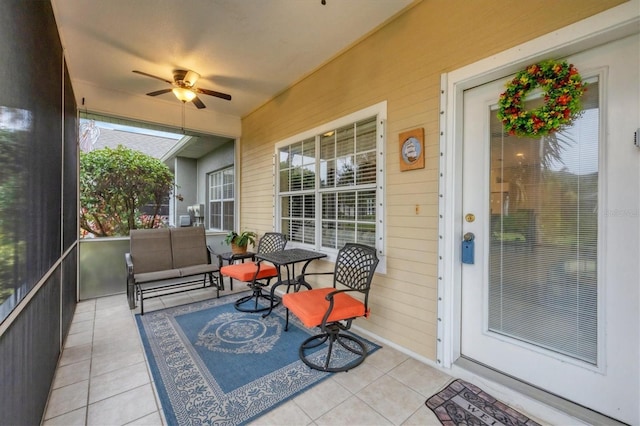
(151, 250)
(198, 269)
(189, 246)
(160, 254)
(156, 276)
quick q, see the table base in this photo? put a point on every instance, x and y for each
(244, 303)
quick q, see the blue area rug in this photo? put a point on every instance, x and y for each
(215, 365)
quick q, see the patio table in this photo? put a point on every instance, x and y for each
(288, 259)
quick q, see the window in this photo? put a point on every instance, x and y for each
(330, 183)
(221, 200)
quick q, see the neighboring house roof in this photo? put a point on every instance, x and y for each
(100, 137)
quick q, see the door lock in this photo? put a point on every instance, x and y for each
(468, 248)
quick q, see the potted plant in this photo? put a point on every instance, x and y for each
(239, 242)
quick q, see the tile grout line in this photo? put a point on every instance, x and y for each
(93, 334)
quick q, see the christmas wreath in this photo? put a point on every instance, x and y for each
(562, 86)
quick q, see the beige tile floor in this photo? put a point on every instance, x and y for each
(103, 378)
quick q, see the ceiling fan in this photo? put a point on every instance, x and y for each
(184, 88)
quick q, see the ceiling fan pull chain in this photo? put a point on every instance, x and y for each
(183, 117)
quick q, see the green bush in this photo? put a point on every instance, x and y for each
(115, 184)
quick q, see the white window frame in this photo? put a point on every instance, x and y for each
(222, 200)
(378, 110)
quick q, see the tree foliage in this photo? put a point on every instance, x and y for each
(115, 184)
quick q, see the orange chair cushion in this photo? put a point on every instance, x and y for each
(246, 271)
(311, 305)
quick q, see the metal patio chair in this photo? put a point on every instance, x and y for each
(333, 310)
(257, 274)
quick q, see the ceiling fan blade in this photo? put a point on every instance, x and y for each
(153, 76)
(198, 103)
(213, 93)
(159, 92)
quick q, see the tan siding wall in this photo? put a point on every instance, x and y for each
(402, 64)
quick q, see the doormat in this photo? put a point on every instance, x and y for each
(212, 364)
(462, 403)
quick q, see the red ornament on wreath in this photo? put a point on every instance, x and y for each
(563, 87)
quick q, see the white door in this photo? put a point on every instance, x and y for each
(552, 297)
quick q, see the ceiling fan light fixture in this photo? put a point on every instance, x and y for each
(190, 78)
(183, 87)
(185, 95)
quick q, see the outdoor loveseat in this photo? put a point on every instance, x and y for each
(168, 260)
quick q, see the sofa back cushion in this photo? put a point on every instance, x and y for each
(150, 250)
(189, 246)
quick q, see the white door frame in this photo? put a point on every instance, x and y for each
(610, 25)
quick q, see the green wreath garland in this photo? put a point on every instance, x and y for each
(563, 88)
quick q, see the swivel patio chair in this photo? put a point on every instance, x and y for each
(257, 274)
(332, 309)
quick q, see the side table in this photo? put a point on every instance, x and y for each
(231, 258)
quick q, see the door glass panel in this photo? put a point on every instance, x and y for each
(544, 234)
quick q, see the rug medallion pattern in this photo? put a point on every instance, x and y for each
(234, 333)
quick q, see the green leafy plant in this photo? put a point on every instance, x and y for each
(242, 239)
(116, 185)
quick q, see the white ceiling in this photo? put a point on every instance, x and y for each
(250, 49)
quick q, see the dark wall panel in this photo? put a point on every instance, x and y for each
(44, 163)
(29, 351)
(38, 207)
(31, 146)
